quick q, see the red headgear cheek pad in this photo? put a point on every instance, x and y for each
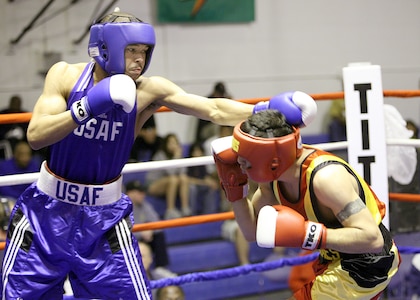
(268, 157)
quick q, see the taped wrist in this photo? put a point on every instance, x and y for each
(80, 111)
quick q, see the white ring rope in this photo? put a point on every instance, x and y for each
(189, 162)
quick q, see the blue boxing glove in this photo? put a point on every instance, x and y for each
(298, 108)
(116, 90)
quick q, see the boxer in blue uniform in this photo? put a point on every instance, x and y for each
(74, 221)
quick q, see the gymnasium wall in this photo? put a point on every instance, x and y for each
(291, 45)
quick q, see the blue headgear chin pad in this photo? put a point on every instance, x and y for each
(108, 41)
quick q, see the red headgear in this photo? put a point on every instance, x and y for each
(269, 157)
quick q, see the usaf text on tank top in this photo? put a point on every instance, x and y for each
(95, 152)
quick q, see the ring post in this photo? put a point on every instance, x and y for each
(366, 135)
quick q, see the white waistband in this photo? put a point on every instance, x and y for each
(76, 193)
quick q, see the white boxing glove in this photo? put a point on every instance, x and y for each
(115, 90)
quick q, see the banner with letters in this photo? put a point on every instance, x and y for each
(205, 11)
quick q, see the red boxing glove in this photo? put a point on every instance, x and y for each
(232, 180)
(287, 228)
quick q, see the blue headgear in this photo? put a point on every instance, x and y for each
(109, 39)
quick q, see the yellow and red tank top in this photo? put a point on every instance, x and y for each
(307, 205)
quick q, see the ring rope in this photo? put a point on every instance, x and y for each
(190, 161)
(246, 269)
(234, 271)
(25, 117)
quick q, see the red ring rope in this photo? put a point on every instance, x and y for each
(25, 117)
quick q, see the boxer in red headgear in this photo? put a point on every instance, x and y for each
(325, 205)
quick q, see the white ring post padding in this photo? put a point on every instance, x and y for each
(188, 162)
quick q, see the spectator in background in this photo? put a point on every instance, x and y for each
(147, 260)
(222, 131)
(170, 183)
(15, 131)
(413, 127)
(337, 123)
(23, 161)
(6, 206)
(231, 232)
(144, 212)
(170, 292)
(203, 188)
(337, 126)
(206, 129)
(211, 169)
(12, 133)
(15, 105)
(410, 211)
(147, 142)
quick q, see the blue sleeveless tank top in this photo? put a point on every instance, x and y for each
(95, 152)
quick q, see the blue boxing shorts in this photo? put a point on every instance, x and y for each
(59, 229)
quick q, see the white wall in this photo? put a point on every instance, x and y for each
(291, 45)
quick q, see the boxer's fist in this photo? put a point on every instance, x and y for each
(298, 108)
(115, 90)
(287, 228)
(232, 180)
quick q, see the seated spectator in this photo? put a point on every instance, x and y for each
(231, 232)
(410, 210)
(170, 183)
(204, 188)
(221, 132)
(6, 206)
(413, 127)
(337, 124)
(147, 260)
(206, 129)
(414, 277)
(170, 292)
(147, 142)
(211, 169)
(337, 128)
(143, 213)
(13, 132)
(23, 161)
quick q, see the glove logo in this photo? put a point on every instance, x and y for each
(312, 236)
(80, 111)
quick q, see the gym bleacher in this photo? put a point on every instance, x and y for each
(199, 248)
